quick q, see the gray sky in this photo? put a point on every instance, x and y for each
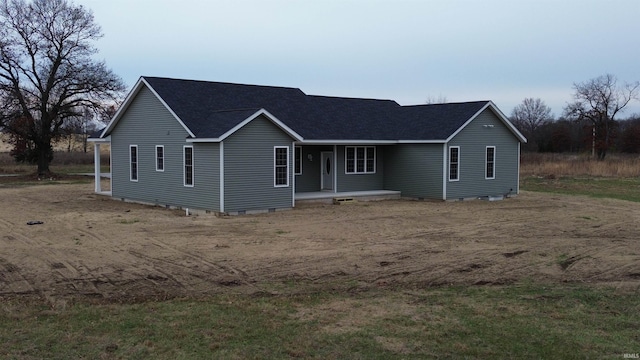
(405, 50)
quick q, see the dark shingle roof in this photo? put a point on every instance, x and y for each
(210, 109)
(436, 121)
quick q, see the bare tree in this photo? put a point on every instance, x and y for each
(441, 99)
(598, 101)
(47, 71)
(529, 116)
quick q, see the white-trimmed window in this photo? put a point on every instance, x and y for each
(454, 163)
(280, 166)
(159, 157)
(360, 159)
(133, 162)
(188, 166)
(298, 161)
(490, 163)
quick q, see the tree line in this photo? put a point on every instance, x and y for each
(591, 123)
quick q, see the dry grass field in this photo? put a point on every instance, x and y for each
(579, 165)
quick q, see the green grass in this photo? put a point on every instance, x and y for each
(519, 321)
(615, 188)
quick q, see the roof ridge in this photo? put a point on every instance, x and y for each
(238, 109)
(449, 103)
(221, 83)
(350, 98)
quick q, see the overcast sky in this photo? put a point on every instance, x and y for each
(405, 50)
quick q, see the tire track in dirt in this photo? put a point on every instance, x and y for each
(187, 277)
(67, 277)
(12, 281)
(221, 268)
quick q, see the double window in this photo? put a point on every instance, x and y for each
(454, 163)
(360, 159)
(490, 168)
(188, 166)
(133, 162)
(281, 166)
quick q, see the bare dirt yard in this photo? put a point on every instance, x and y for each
(93, 247)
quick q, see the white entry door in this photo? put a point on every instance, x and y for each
(327, 170)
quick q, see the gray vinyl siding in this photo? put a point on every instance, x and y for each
(414, 169)
(148, 123)
(473, 140)
(249, 168)
(310, 179)
(360, 182)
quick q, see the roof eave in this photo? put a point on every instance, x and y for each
(348, 142)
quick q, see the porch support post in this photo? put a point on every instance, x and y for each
(96, 163)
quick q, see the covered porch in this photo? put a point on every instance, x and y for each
(98, 174)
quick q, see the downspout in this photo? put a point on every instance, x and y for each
(335, 168)
(518, 183)
(293, 160)
(444, 171)
(221, 176)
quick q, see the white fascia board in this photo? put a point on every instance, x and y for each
(100, 140)
(127, 101)
(506, 121)
(348, 142)
(269, 116)
(167, 107)
(132, 94)
(203, 140)
(500, 116)
(421, 141)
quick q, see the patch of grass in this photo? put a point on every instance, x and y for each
(74, 162)
(518, 321)
(614, 188)
(31, 180)
(128, 221)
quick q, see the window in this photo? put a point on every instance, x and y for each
(133, 162)
(159, 158)
(490, 163)
(281, 166)
(298, 163)
(360, 159)
(454, 163)
(188, 166)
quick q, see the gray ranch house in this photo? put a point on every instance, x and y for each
(232, 148)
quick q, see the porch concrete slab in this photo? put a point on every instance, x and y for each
(328, 196)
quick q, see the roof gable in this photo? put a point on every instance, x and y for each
(490, 105)
(129, 99)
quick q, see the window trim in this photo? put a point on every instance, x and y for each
(131, 163)
(457, 163)
(276, 166)
(160, 169)
(355, 160)
(184, 166)
(297, 169)
(486, 163)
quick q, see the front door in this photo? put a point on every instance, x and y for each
(327, 170)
